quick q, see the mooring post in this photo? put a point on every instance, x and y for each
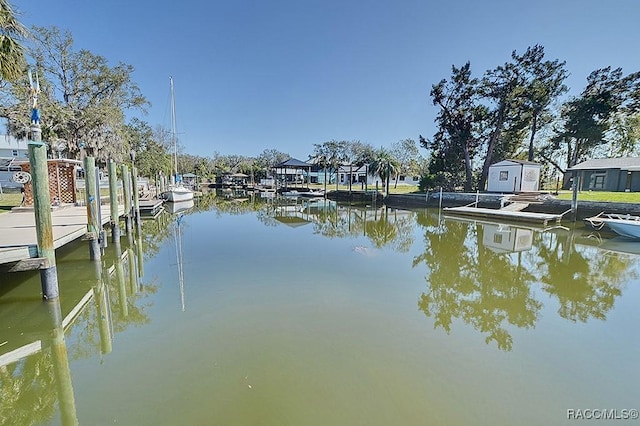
(126, 185)
(42, 210)
(113, 201)
(92, 202)
(574, 197)
(136, 195)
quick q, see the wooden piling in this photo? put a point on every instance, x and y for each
(113, 201)
(126, 184)
(42, 210)
(92, 201)
(136, 195)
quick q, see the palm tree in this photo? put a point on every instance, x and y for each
(383, 165)
(12, 62)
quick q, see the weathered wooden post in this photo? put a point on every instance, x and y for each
(574, 197)
(42, 209)
(113, 201)
(93, 204)
(42, 200)
(136, 195)
(126, 184)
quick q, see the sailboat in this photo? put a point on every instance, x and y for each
(176, 191)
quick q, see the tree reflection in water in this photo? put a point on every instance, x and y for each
(492, 291)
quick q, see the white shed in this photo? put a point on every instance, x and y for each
(513, 176)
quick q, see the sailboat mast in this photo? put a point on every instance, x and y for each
(173, 133)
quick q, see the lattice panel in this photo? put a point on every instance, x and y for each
(62, 183)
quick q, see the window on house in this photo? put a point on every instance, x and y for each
(401, 178)
(598, 181)
(14, 152)
(497, 238)
(504, 175)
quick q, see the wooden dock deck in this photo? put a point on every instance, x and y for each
(505, 214)
(18, 240)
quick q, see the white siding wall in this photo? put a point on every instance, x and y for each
(510, 181)
(530, 178)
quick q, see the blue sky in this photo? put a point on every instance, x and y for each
(255, 75)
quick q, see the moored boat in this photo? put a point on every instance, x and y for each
(176, 191)
(624, 225)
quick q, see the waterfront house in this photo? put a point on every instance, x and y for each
(608, 174)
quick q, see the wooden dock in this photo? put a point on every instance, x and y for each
(18, 240)
(505, 214)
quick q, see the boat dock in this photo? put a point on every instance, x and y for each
(506, 213)
(18, 240)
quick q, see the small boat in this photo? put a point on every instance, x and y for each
(625, 225)
(176, 191)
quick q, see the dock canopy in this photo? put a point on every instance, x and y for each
(292, 171)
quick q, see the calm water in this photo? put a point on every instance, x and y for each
(245, 312)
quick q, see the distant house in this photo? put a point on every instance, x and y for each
(10, 147)
(514, 176)
(608, 174)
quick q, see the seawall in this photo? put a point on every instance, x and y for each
(547, 204)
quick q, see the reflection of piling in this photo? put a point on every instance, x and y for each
(42, 210)
(60, 360)
(122, 290)
(113, 201)
(101, 297)
(126, 185)
(133, 280)
(93, 204)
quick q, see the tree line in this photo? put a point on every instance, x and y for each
(515, 110)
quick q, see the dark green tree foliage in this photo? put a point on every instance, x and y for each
(87, 97)
(459, 129)
(12, 32)
(588, 118)
(151, 156)
(544, 83)
(505, 91)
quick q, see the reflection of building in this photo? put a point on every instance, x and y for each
(505, 238)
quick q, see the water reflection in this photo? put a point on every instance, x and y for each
(493, 279)
(34, 356)
(485, 274)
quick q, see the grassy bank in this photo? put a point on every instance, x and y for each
(610, 197)
(9, 201)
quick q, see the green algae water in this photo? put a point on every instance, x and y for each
(243, 311)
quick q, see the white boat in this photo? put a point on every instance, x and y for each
(625, 225)
(176, 191)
